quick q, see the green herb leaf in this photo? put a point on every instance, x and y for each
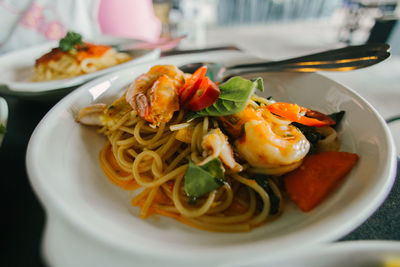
(259, 84)
(214, 167)
(69, 41)
(264, 181)
(311, 134)
(2, 129)
(234, 97)
(201, 180)
(337, 117)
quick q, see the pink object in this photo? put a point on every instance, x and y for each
(33, 16)
(129, 19)
(164, 44)
(54, 30)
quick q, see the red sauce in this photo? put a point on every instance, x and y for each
(84, 51)
(127, 185)
(54, 54)
(91, 51)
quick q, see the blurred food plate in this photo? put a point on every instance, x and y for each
(17, 67)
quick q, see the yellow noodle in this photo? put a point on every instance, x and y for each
(110, 169)
(264, 196)
(147, 203)
(278, 170)
(148, 141)
(178, 159)
(235, 218)
(120, 122)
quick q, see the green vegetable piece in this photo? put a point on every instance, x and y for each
(259, 84)
(337, 117)
(311, 134)
(234, 97)
(214, 167)
(264, 181)
(2, 129)
(69, 41)
(201, 180)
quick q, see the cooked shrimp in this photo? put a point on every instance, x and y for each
(90, 115)
(267, 142)
(154, 95)
(100, 114)
(216, 144)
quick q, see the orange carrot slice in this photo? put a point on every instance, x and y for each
(319, 174)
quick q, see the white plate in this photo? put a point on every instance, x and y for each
(89, 216)
(16, 69)
(346, 254)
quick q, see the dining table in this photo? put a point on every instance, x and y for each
(24, 218)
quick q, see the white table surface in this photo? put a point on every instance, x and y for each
(379, 84)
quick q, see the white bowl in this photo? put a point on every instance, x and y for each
(91, 223)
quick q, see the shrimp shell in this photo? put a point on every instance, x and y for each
(154, 95)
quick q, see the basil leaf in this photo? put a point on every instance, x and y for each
(201, 180)
(214, 167)
(234, 97)
(69, 41)
(259, 84)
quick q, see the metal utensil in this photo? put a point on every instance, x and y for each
(342, 59)
(163, 44)
(167, 47)
(202, 50)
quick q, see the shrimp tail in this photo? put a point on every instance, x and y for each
(142, 105)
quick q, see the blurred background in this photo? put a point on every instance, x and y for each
(347, 21)
(204, 22)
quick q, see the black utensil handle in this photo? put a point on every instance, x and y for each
(359, 52)
(192, 51)
(311, 66)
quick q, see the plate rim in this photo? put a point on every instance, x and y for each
(342, 249)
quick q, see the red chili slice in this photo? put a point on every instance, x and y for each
(191, 84)
(205, 95)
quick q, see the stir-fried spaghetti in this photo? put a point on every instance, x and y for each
(74, 57)
(217, 173)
